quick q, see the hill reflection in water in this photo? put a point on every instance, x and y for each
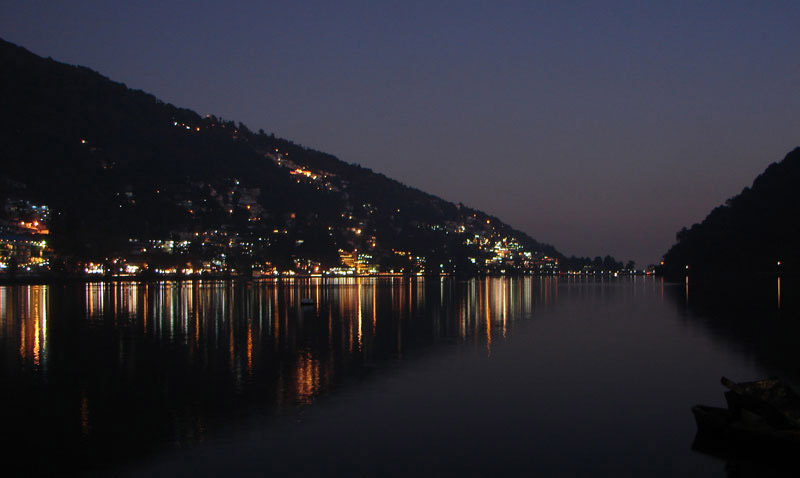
(757, 316)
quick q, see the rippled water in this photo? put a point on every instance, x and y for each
(392, 376)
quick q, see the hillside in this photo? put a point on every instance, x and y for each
(106, 172)
(751, 233)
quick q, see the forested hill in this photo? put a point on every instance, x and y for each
(121, 172)
(750, 233)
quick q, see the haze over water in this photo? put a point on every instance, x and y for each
(391, 376)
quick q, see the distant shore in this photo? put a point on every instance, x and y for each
(64, 279)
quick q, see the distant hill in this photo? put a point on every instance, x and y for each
(750, 233)
(124, 174)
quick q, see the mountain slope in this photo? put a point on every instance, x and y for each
(750, 233)
(124, 173)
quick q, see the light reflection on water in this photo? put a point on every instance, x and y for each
(23, 318)
(109, 372)
(206, 344)
(250, 320)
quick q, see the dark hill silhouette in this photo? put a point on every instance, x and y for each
(119, 168)
(750, 233)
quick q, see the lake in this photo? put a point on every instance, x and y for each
(402, 376)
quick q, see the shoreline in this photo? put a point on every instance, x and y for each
(44, 279)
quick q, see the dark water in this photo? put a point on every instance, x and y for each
(547, 376)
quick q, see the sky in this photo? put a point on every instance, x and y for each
(598, 127)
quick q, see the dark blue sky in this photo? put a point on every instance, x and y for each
(600, 127)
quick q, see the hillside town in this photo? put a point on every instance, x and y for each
(25, 249)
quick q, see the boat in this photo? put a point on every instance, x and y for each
(763, 416)
(306, 301)
(771, 399)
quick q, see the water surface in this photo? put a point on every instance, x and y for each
(556, 376)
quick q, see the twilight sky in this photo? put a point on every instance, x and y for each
(599, 127)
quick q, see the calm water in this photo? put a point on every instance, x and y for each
(393, 376)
